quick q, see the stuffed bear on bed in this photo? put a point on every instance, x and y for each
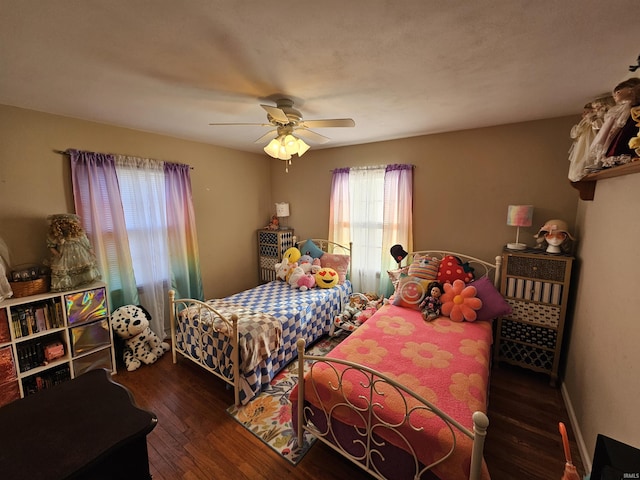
(141, 345)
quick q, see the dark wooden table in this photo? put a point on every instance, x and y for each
(86, 428)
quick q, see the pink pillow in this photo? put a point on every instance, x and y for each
(340, 263)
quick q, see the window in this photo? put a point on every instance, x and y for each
(371, 207)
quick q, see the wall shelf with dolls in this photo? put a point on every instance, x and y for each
(587, 185)
(606, 141)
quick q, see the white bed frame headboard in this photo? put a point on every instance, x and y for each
(329, 247)
(481, 268)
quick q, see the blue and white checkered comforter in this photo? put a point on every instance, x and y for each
(303, 314)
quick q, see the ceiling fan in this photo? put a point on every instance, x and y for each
(288, 123)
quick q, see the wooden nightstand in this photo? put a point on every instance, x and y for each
(271, 246)
(536, 285)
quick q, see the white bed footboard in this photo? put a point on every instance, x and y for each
(368, 423)
(199, 320)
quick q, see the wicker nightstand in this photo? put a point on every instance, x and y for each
(271, 246)
(536, 285)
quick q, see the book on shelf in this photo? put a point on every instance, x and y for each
(36, 318)
(5, 335)
(41, 322)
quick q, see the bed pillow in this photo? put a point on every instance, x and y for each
(340, 263)
(451, 269)
(424, 267)
(394, 275)
(410, 292)
(311, 249)
(493, 303)
(459, 302)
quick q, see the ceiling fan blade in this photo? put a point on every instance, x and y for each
(266, 136)
(243, 124)
(335, 122)
(277, 114)
(312, 136)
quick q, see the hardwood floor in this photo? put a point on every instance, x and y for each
(196, 439)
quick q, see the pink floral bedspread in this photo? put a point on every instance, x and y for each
(446, 363)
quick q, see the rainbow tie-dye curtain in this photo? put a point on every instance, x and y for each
(138, 214)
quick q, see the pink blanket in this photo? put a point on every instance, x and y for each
(446, 363)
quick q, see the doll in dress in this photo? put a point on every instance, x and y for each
(610, 147)
(583, 135)
(72, 260)
(431, 304)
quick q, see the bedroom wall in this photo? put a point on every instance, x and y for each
(463, 183)
(231, 190)
(601, 386)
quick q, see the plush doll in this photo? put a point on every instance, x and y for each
(348, 318)
(431, 304)
(373, 304)
(284, 269)
(141, 345)
(309, 264)
(306, 282)
(274, 225)
(301, 280)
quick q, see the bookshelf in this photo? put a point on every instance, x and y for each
(49, 338)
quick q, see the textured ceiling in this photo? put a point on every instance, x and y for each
(398, 68)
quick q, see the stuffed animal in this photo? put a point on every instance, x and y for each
(141, 345)
(326, 278)
(373, 304)
(347, 319)
(284, 269)
(308, 264)
(361, 307)
(306, 282)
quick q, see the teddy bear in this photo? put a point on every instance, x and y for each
(141, 345)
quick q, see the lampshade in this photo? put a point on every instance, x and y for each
(282, 209)
(286, 145)
(519, 216)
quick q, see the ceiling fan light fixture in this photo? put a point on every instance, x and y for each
(273, 148)
(302, 147)
(290, 144)
(283, 154)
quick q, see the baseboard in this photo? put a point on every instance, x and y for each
(582, 448)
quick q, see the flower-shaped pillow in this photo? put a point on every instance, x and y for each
(459, 302)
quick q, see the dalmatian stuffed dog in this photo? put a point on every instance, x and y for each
(141, 345)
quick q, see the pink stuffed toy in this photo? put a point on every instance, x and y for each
(306, 282)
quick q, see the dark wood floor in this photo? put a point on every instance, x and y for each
(196, 439)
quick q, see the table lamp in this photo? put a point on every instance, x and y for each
(282, 212)
(519, 216)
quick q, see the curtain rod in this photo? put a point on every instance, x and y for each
(374, 167)
(66, 152)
